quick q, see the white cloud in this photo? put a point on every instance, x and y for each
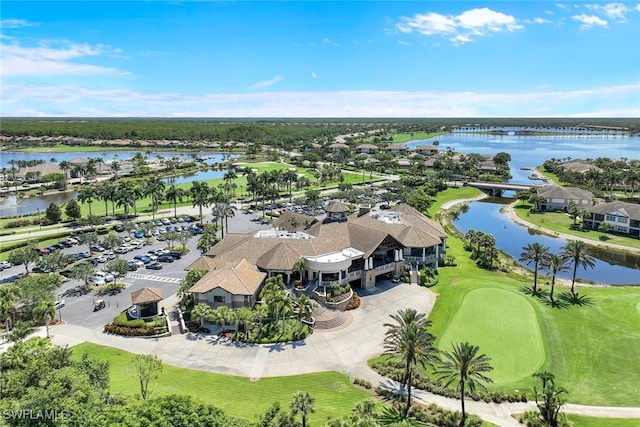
(327, 40)
(538, 21)
(403, 43)
(613, 11)
(46, 61)
(266, 83)
(590, 21)
(473, 22)
(15, 23)
(72, 100)
(314, 75)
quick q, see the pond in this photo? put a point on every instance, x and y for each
(612, 268)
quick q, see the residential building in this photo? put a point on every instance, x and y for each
(622, 217)
(366, 149)
(426, 150)
(559, 198)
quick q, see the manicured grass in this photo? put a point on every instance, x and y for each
(560, 222)
(335, 395)
(592, 349)
(481, 310)
(581, 421)
(452, 194)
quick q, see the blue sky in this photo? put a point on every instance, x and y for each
(320, 59)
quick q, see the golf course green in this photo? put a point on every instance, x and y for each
(504, 324)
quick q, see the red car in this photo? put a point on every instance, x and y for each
(43, 251)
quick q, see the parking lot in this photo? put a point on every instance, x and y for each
(78, 308)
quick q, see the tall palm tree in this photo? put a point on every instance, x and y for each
(302, 403)
(221, 315)
(105, 192)
(174, 194)
(555, 263)
(86, 195)
(465, 366)
(536, 253)
(125, 196)
(202, 312)
(409, 340)
(9, 295)
(65, 166)
(290, 176)
(300, 266)
(579, 254)
(154, 188)
(44, 312)
(200, 195)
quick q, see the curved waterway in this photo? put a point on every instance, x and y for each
(611, 268)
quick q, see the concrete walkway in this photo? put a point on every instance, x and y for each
(345, 349)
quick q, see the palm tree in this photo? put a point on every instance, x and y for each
(44, 312)
(536, 253)
(9, 295)
(221, 315)
(86, 194)
(300, 266)
(125, 196)
(154, 188)
(409, 340)
(65, 166)
(202, 312)
(290, 176)
(226, 211)
(200, 195)
(174, 194)
(105, 192)
(245, 317)
(465, 367)
(555, 263)
(579, 254)
(302, 403)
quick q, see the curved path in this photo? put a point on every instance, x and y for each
(345, 349)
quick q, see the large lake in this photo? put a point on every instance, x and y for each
(530, 151)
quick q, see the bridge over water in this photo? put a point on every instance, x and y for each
(496, 188)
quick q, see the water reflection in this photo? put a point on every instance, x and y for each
(613, 268)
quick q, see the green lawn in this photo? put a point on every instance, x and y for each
(580, 421)
(481, 310)
(592, 350)
(452, 194)
(335, 395)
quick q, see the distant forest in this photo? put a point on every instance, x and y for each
(266, 131)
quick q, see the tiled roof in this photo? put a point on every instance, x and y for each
(242, 279)
(337, 207)
(631, 210)
(559, 192)
(146, 295)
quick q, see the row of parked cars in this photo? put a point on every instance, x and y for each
(153, 259)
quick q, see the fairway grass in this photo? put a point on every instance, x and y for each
(581, 421)
(516, 351)
(591, 349)
(334, 394)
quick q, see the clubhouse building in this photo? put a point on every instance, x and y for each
(342, 249)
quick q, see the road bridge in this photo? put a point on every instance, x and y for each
(496, 188)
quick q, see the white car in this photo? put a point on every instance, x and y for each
(4, 265)
(59, 304)
(165, 221)
(98, 280)
(108, 277)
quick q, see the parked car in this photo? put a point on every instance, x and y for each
(59, 304)
(108, 277)
(97, 248)
(145, 259)
(109, 255)
(176, 254)
(118, 227)
(165, 258)
(133, 266)
(42, 251)
(138, 234)
(4, 265)
(122, 250)
(165, 221)
(154, 266)
(38, 269)
(98, 280)
(99, 305)
(67, 272)
(395, 279)
(152, 255)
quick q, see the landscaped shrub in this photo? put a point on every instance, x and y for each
(355, 302)
(362, 383)
(388, 368)
(133, 332)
